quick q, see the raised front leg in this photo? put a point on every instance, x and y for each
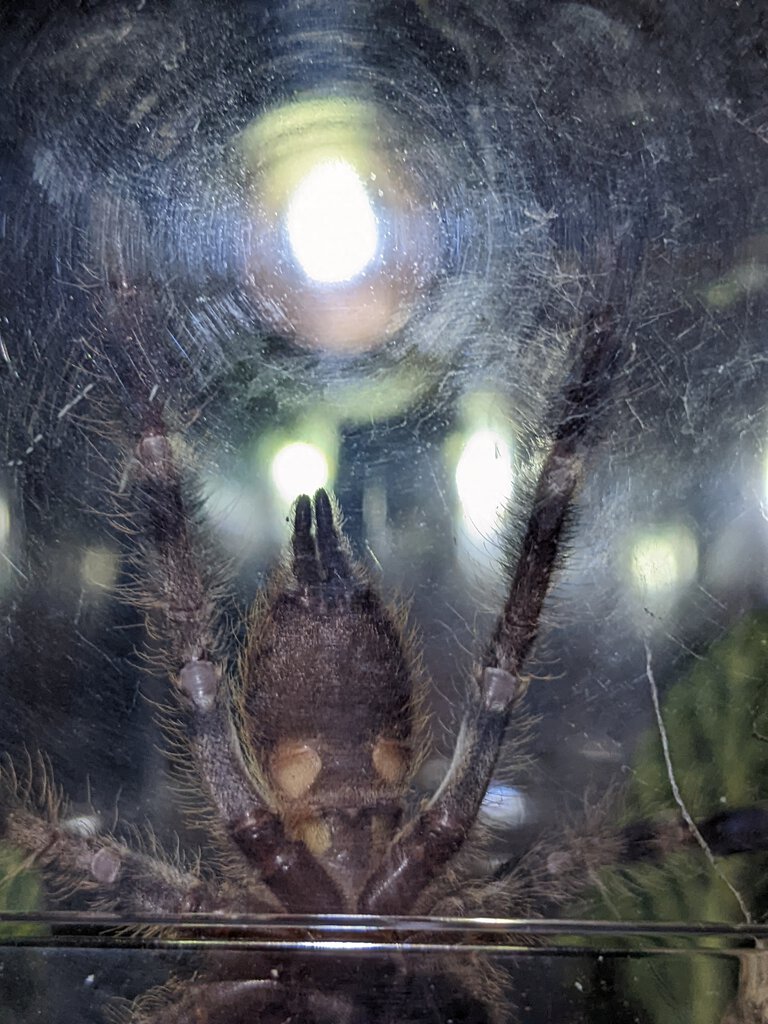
(420, 852)
(176, 591)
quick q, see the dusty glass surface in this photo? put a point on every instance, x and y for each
(416, 971)
(355, 246)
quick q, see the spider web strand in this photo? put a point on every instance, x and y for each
(692, 826)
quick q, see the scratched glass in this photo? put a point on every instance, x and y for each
(286, 248)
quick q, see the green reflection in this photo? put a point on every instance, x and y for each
(714, 718)
(20, 890)
(736, 285)
(292, 140)
(661, 561)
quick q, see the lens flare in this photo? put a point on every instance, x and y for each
(299, 468)
(331, 224)
(99, 568)
(341, 234)
(663, 560)
(484, 480)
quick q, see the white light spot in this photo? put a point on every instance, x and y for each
(664, 559)
(84, 826)
(99, 568)
(331, 225)
(299, 468)
(484, 479)
(504, 804)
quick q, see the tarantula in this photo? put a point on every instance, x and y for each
(305, 755)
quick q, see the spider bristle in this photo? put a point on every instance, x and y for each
(148, 1008)
(557, 869)
(305, 565)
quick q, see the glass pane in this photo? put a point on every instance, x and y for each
(493, 276)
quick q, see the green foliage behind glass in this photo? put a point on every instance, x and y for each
(714, 718)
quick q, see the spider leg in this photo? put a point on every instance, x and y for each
(736, 830)
(79, 858)
(557, 870)
(560, 477)
(207, 1002)
(418, 854)
(739, 830)
(269, 1000)
(178, 598)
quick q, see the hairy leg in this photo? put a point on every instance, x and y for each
(176, 590)
(78, 857)
(178, 585)
(419, 853)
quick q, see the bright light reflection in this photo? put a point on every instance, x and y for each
(331, 225)
(504, 804)
(664, 559)
(299, 468)
(484, 479)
